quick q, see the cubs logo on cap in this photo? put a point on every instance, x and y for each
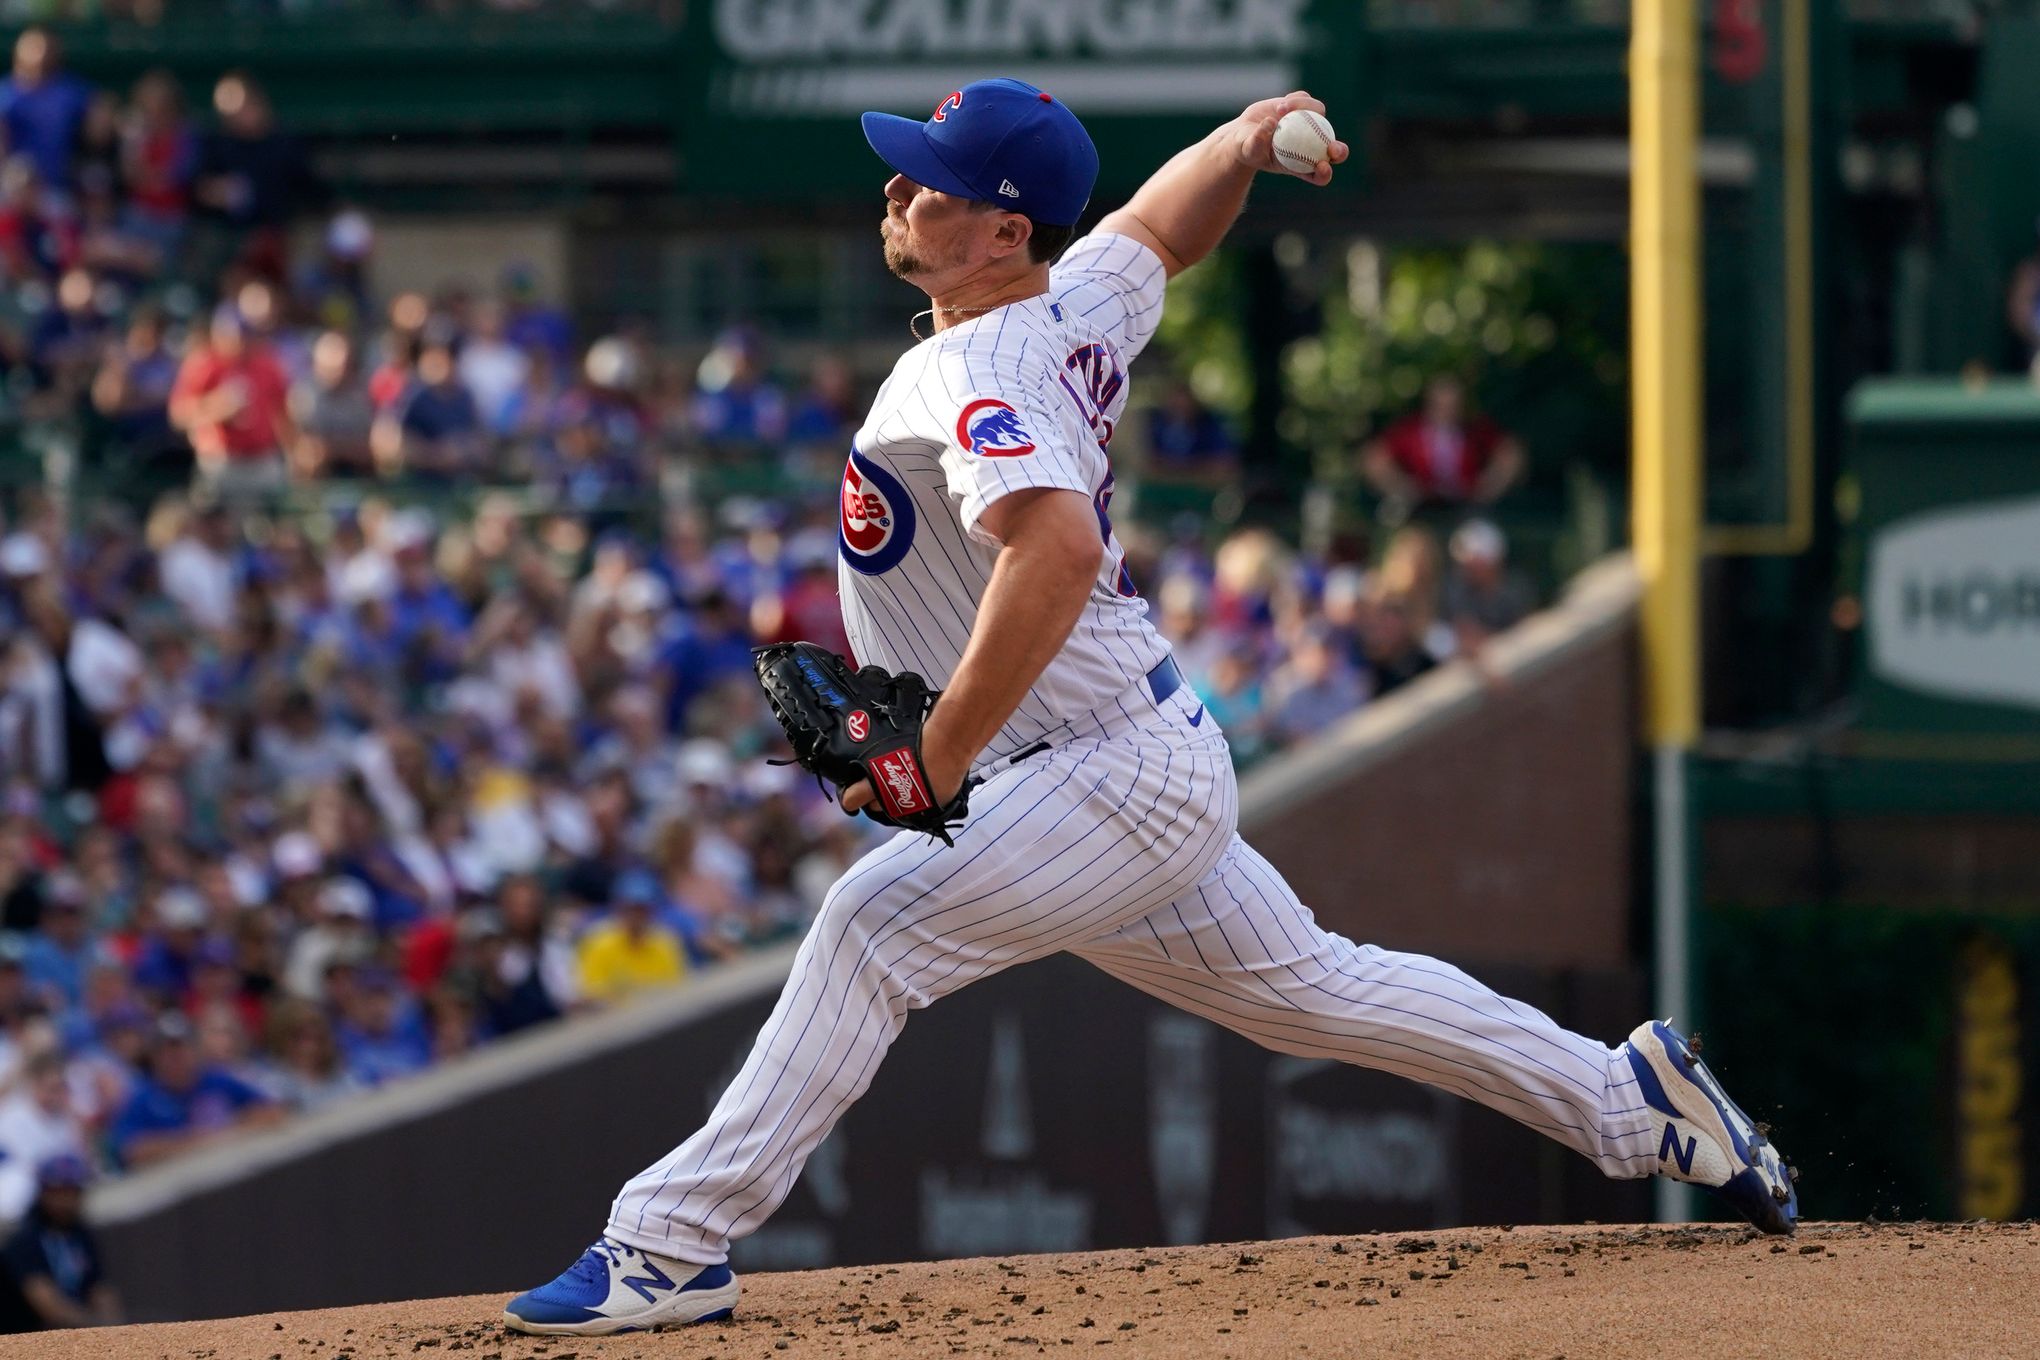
(990, 428)
(996, 141)
(876, 517)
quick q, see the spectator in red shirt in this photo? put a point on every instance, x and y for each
(807, 606)
(231, 400)
(1440, 454)
(158, 158)
(35, 240)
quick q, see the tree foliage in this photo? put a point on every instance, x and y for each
(1538, 330)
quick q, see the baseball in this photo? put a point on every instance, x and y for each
(1302, 140)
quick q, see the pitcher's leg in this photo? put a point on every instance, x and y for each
(1057, 850)
(1243, 951)
(814, 1055)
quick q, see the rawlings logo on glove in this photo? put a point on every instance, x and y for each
(847, 725)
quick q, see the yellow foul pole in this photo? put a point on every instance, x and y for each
(1664, 242)
(1664, 252)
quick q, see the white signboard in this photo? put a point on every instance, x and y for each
(1953, 603)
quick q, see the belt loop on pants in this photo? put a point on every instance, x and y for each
(1164, 680)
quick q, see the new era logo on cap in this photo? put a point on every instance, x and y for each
(1001, 141)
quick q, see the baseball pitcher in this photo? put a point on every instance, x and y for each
(1060, 786)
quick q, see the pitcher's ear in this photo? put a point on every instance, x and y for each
(1015, 231)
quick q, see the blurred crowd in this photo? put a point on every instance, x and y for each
(151, 300)
(1282, 646)
(104, 199)
(293, 809)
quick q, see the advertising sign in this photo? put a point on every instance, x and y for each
(1953, 602)
(1948, 531)
(778, 84)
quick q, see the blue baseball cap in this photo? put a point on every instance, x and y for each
(66, 1168)
(635, 888)
(999, 141)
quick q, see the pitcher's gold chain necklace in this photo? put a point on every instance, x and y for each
(914, 321)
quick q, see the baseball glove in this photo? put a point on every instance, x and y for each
(846, 725)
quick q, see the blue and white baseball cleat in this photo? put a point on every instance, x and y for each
(614, 1288)
(1707, 1141)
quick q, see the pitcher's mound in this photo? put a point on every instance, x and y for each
(1907, 1290)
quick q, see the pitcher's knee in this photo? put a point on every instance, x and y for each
(875, 928)
(851, 915)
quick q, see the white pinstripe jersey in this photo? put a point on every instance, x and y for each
(1024, 396)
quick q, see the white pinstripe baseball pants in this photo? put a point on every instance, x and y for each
(1119, 847)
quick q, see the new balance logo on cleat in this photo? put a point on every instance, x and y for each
(617, 1288)
(1707, 1138)
(643, 1285)
(1670, 1148)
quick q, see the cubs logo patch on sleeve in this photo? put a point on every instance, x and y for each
(990, 428)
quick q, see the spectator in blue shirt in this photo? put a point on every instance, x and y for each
(685, 558)
(428, 623)
(597, 445)
(132, 388)
(734, 401)
(42, 107)
(62, 949)
(1187, 441)
(715, 647)
(65, 344)
(250, 173)
(382, 1035)
(755, 566)
(370, 638)
(182, 1103)
(435, 432)
(52, 1275)
(1315, 687)
(1233, 692)
(531, 323)
(163, 965)
(827, 413)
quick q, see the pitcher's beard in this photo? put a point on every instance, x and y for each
(902, 264)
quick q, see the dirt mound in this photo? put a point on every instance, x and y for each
(1837, 1289)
